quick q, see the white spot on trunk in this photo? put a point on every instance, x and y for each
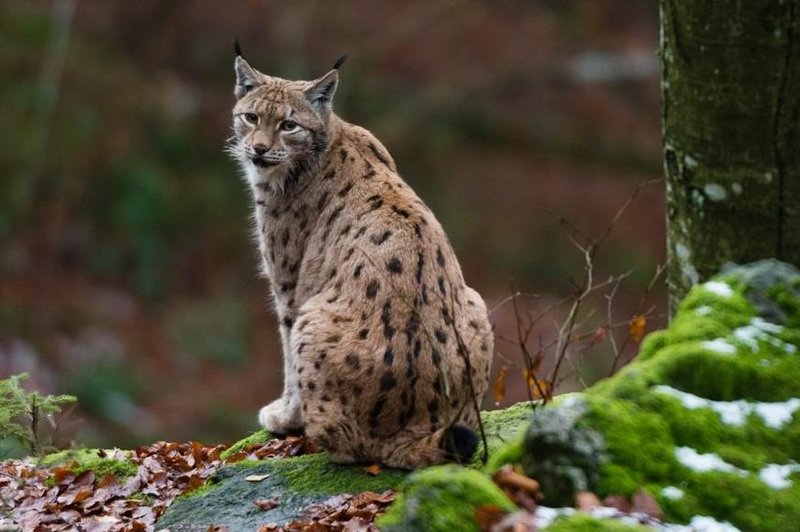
(736, 188)
(715, 192)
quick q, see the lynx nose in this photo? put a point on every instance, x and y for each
(260, 149)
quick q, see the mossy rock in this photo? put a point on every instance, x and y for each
(227, 499)
(705, 419)
(443, 498)
(101, 462)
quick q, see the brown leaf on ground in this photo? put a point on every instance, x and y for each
(645, 503)
(266, 504)
(339, 513)
(509, 477)
(586, 500)
(619, 502)
(488, 515)
(521, 521)
(374, 470)
(521, 489)
(275, 448)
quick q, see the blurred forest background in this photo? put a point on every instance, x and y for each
(127, 273)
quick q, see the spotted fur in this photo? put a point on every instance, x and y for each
(381, 336)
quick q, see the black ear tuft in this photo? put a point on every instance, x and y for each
(339, 62)
(236, 47)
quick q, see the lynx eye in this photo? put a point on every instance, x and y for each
(251, 118)
(289, 125)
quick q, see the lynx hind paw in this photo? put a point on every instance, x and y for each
(280, 418)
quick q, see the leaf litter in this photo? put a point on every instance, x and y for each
(59, 499)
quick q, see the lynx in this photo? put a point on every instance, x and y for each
(384, 345)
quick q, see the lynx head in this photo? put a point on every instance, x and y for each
(280, 126)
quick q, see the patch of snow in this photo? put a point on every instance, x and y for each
(720, 345)
(775, 415)
(718, 288)
(672, 493)
(704, 310)
(766, 326)
(761, 330)
(544, 516)
(704, 462)
(702, 523)
(776, 476)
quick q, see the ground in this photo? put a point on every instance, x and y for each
(700, 430)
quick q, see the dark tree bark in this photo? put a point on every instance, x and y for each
(731, 126)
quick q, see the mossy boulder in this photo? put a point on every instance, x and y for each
(705, 419)
(102, 462)
(227, 499)
(443, 498)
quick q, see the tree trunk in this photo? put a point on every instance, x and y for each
(731, 126)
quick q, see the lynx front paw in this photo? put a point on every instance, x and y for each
(280, 417)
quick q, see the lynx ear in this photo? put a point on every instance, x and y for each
(247, 78)
(321, 92)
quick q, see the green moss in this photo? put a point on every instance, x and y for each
(510, 453)
(753, 356)
(202, 490)
(586, 523)
(504, 433)
(643, 440)
(261, 436)
(443, 498)
(103, 467)
(81, 460)
(315, 474)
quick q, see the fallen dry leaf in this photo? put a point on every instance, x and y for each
(586, 500)
(374, 470)
(636, 327)
(488, 515)
(619, 502)
(645, 503)
(255, 478)
(266, 504)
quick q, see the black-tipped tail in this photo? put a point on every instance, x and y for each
(459, 443)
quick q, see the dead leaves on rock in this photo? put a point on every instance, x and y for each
(341, 513)
(283, 448)
(42, 499)
(521, 489)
